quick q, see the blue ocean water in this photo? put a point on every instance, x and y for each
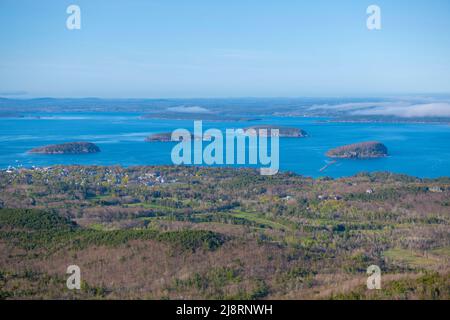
(421, 150)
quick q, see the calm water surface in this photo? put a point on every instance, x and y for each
(421, 150)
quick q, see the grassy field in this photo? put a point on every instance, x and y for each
(410, 258)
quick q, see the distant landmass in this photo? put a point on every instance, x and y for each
(196, 116)
(284, 132)
(363, 150)
(10, 115)
(237, 109)
(67, 148)
(387, 119)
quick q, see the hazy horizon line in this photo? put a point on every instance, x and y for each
(346, 96)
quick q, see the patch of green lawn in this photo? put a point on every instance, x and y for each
(408, 257)
(442, 252)
(259, 219)
(146, 205)
(99, 227)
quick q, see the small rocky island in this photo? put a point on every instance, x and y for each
(284, 132)
(363, 150)
(167, 137)
(67, 148)
(160, 137)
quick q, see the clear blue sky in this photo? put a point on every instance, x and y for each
(223, 48)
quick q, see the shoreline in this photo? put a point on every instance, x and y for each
(226, 118)
(383, 122)
(255, 170)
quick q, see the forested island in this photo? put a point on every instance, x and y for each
(174, 232)
(160, 137)
(283, 132)
(363, 150)
(67, 148)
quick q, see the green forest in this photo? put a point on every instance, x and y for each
(175, 232)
